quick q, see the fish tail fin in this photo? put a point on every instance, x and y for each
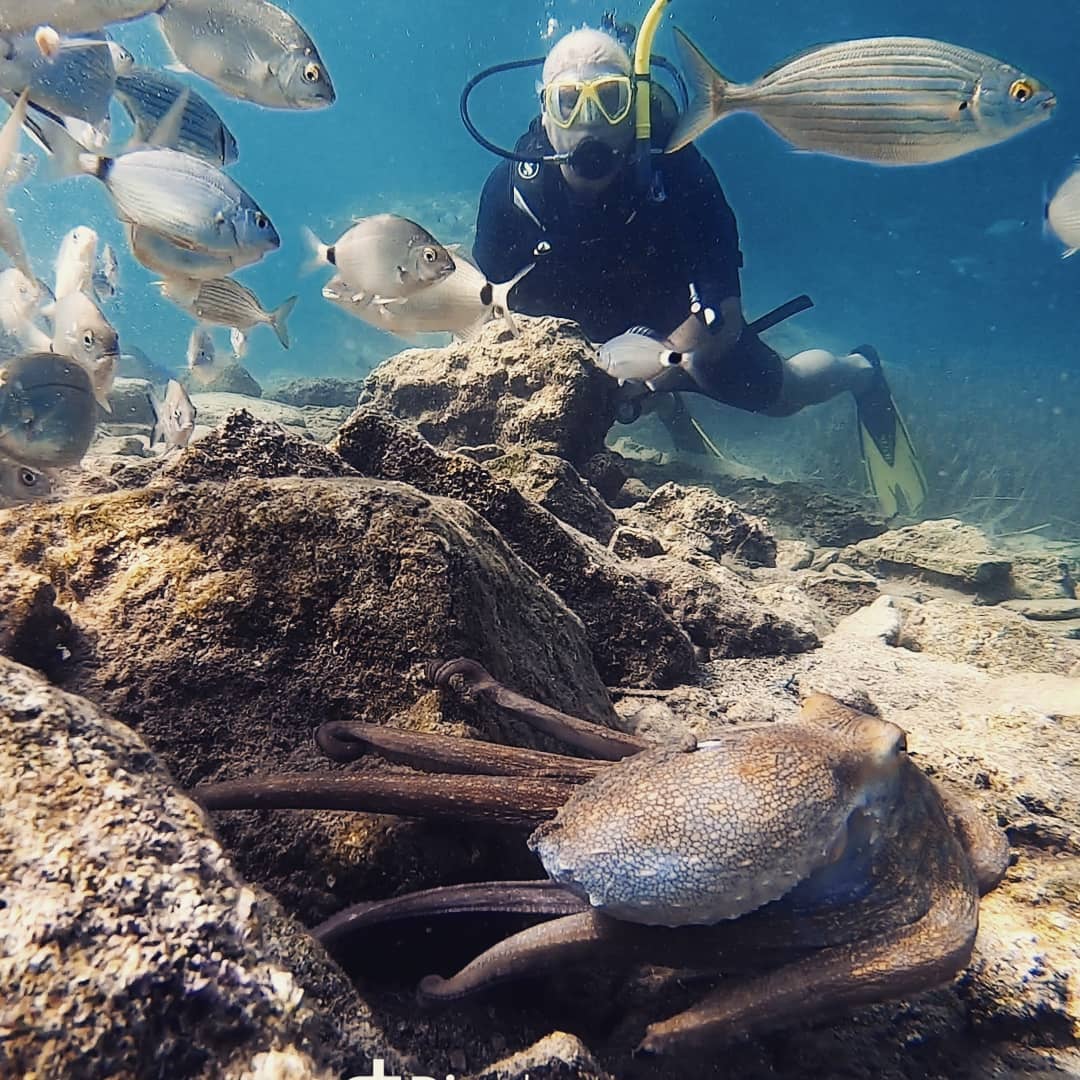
(320, 252)
(68, 157)
(278, 321)
(708, 91)
(500, 299)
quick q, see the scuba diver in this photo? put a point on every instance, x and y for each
(622, 235)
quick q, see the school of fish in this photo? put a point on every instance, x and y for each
(888, 101)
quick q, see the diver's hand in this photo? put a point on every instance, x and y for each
(693, 336)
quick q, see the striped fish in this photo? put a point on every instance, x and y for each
(889, 100)
(1063, 214)
(224, 302)
(147, 95)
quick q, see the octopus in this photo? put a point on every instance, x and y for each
(810, 864)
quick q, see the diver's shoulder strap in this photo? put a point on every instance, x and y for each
(527, 180)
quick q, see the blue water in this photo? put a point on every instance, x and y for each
(944, 268)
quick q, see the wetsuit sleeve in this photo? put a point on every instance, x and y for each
(503, 245)
(715, 258)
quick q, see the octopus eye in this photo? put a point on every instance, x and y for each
(88, 339)
(312, 72)
(430, 255)
(1021, 90)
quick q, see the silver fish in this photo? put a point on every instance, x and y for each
(11, 240)
(201, 354)
(78, 81)
(238, 339)
(187, 200)
(47, 410)
(106, 276)
(459, 304)
(639, 356)
(889, 100)
(81, 332)
(224, 302)
(1063, 214)
(386, 257)
(70, 16)
(148, 95)
(250, 49)
(174, 417)
(160, 254)
(20, 483)
(20, 169)
(75, 261)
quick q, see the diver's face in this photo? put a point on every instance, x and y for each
(581, 104)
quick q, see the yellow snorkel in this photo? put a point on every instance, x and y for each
(643, 91)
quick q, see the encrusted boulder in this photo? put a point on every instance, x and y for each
(231, 378)
(555, 485)
(632, 640)
(226, 620)
(540, 389)
(129, 946)
(945, 551)
(700, 520)
(321, 392)
(718, 611)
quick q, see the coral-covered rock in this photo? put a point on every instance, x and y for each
(946, 551)
(540, 389)
(700, 520)
(225, 621)
(633, 641)
(555, 485)
(321, 392)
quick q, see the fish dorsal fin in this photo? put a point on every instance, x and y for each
(166, 132)
(645, 331)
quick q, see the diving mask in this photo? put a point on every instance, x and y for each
(608, 96)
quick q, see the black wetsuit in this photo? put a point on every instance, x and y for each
(628, 259)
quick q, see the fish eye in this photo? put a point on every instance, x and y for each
(27, 477)
(430, 255)
(261, 220)
(1021, 90)
(88, 339)
(312, 72)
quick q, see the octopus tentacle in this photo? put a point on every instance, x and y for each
(497, 800)
(502, 897)
(468, 677)
(913, 958)
(347, 740)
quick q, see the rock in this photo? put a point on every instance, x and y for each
(1040, 575)
(321, 392)
(700, 520)
(128, 944)
(634, 491)
(606, 471)
(121, 446)
(225, 621)
(630, 543)
(229, 378)
(32, 629)
(1045, 610)
(245, 446)
(718, 612)
(805, 510)
(214, 408)
(553, 484)
(135, 364)
(130, 403)
(540, 389)
(986, 637)
(632, 640)
(840, 589)
(945, 551)
(793, 555)
(555, 1056)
